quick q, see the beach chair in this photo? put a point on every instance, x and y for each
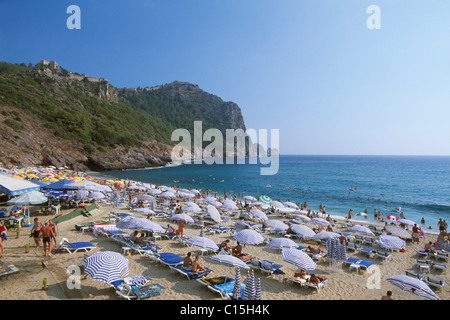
(435, 283)
(350, 261)
(269, 267)
(414, 275)
(370, 241)
(365, 265)
(136, 281)
(190, 274)
(359, 239)
(142, 250)
(368, 252)
(423, 265)
(139, 292)
(169, 259)
(383, 255)
(223, 285)
(317, 287)
(353, 246)
(442, 256)
(72, 247)
(439, 266)
(426, 254)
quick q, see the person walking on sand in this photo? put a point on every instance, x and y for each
(47, 236)
(37, 231)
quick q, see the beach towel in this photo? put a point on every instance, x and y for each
(147, 291)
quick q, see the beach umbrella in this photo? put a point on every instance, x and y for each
(298, 258)
(134, 223)
(229, 260)
(259, 214)
(192, 209)
(96, 195)
(209, 198)
(320, 221)
(88, 185)
(249, 236)
(249, 291)
(249, 198)
(258, 293)
(361, 229)
(144, 210)
(281, 243)
(290, 205)
(186, 194)
(407, 222)
(63, 184)
(183, 217)
(168, 195)
(265, 199)
(391, 242)
(303, 217)
(303, 231)
(414, 286)
(106, 266)
(136, 187)
(237, 285)
(81, 194)
(154, 191)
(398, 232)
(145, 197)
(202, 242)
(391, 217)
(215, 203)
(325, 235)
(28, 198)
(277, 224)
(276, 204)
(213, 213)
(229, 206)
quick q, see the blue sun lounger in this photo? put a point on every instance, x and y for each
(190, 274)
(73, 247)
(169, 259)
(225, 289)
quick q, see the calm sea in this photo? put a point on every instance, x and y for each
(420, 185)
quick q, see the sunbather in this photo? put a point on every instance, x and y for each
(315, 279)
(302, 274)
(187, 262)
(135, 238)
(225, 245)
(197, 266)
(429, 247)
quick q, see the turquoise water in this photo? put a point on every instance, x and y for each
(419, 185)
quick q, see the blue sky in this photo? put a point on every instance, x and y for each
(311, 69)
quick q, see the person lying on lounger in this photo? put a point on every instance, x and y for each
(237, 250)
(197, 266)
(315, 279)
(135, 238)
(313, 250)
(187, 262)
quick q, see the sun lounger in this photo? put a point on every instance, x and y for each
(73, 247)
(269, 267)
(368, 252)
(353, 246)
(365, 264)
(223, 285)
(318, 287)
(139, 292)
(435, 283)
(442, 256)
(439, 266)
(425, 254)
(414, 275)
(190, 274)
(383, 255)
(142, 250)
(350, 261)
(169, 259)
(136, 281)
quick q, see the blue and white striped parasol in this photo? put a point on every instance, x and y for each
(325, 235)
(248, 236)
(202, 242)
(282, 243)
(303, 231)
(249, 292)
(258, 293)
(106, 266)
(391, 242)
(183, 217)
(213, 213)
(237, 285)
(320, 221)
(229, 260)
(259, 214)
(414, 286)
(134, 223)
(398, 232)
(361, 229)
(277, 224)
(298, 258)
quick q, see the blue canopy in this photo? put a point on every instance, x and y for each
(63, 184)
(14, 186)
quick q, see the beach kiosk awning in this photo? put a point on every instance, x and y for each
(14, 186)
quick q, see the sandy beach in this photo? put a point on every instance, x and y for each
(343, 284)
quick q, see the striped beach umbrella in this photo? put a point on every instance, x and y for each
(134, 223)
(183, 217)
(290, 205)
(320, 221)
(277, 224)
(331, 249)
(325, 235)
(229, 260)
(258, 293)
(414, 286)
(202, 242)
(265, 199)
(249, 292)
(391, 242)
(281, 243)
(303, 231)
(259, 214)
(361, 229)
(213, 213)
(237, 285)
(106, 266)
(248, 236)
(298, 258)
(407, 222)
(398, 232)
(302, 217)
(277, 204)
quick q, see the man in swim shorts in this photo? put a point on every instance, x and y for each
(47, 236)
